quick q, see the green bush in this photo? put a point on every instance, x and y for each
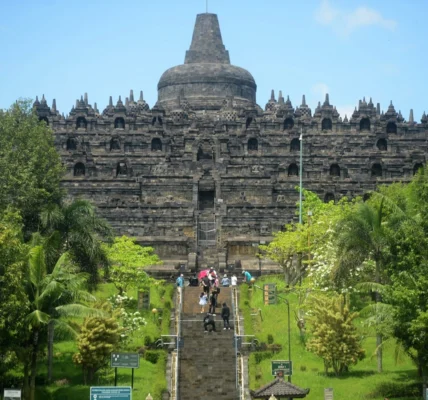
(275, 347)
(396, 389)
(270, 338)
(148, 341)
(303, 368)
(259, 356)
(153, 355)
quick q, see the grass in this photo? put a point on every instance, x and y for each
(362, 382)
(149, 378)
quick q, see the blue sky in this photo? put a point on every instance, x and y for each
(347, 48)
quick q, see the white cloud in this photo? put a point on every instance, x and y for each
(320, 90)
(347, 110)
(345, 22)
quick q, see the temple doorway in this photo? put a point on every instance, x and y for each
(206, 199)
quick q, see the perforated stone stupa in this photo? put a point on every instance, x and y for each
(206, 174)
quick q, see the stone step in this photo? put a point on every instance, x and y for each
(207, 360)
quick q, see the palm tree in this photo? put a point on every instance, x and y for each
(362, 237)
(77, 229)
(51, 296)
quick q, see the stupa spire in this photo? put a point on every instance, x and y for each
(207, 44)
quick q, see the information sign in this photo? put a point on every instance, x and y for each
(328, 394)
(125, 360)
(12, 394)
(111, 393)
(143, 300)
(269, 290)
(285, 367)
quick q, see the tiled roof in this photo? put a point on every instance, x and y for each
(279, 388)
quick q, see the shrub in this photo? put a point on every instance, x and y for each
(270, 338)
(303, 368)
(152, 355)
(259, 356)
(396, 389)
(275, 347)
(148, 341)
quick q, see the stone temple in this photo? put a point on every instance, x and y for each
(206, 174)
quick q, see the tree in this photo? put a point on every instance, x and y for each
(77, 229)
(127, 260)
(362, 237)
(334, 337)
(30, 166)
(51, 296)
(14, 303)
(99, 337)
(292, 248)
(284, 249)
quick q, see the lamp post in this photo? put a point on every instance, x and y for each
(287, 303)
(300, 174)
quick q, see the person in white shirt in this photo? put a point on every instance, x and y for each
(234, 280)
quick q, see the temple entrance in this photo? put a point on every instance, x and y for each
(206, 199)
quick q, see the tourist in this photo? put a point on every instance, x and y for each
(205, 283)
(225, 314)
(213, 302)
(193, 281)
(234, 280)
(203, 300)
(209, 321)
(247, 276)
(180, 281)
(225, 282)
(212, 275)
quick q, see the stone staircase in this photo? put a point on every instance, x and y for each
(207, 360)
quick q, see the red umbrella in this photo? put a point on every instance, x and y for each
(203, 273)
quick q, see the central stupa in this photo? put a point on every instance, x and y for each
(206, 78)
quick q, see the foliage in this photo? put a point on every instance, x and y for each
(334, 336)
(14, 304)
(292, 248)
(30, 166)
(78, 229)
(127, 261)
(131, 322)
(51, 296)
(99, 337)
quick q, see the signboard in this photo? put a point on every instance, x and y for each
(111, 393)
(285, 367)
(269, 291)
(143, 300)
(12, 394)
(125, 360)
(328, 394)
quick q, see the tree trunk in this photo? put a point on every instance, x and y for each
(50, 349)
(378, 335)
(34, 364)
(26, 388)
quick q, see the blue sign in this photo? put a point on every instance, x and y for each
(111, 393)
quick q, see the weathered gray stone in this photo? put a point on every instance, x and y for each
(209, 172)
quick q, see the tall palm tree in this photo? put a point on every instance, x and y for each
(51, 296)
(77, 229)
(363, 236)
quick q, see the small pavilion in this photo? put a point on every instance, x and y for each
(280, 389)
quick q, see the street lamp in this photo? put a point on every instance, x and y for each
(288, 323)
(300, 174)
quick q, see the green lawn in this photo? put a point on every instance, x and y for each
(149, 378)
(362, 382)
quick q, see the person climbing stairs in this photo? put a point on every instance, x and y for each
(207, 360)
